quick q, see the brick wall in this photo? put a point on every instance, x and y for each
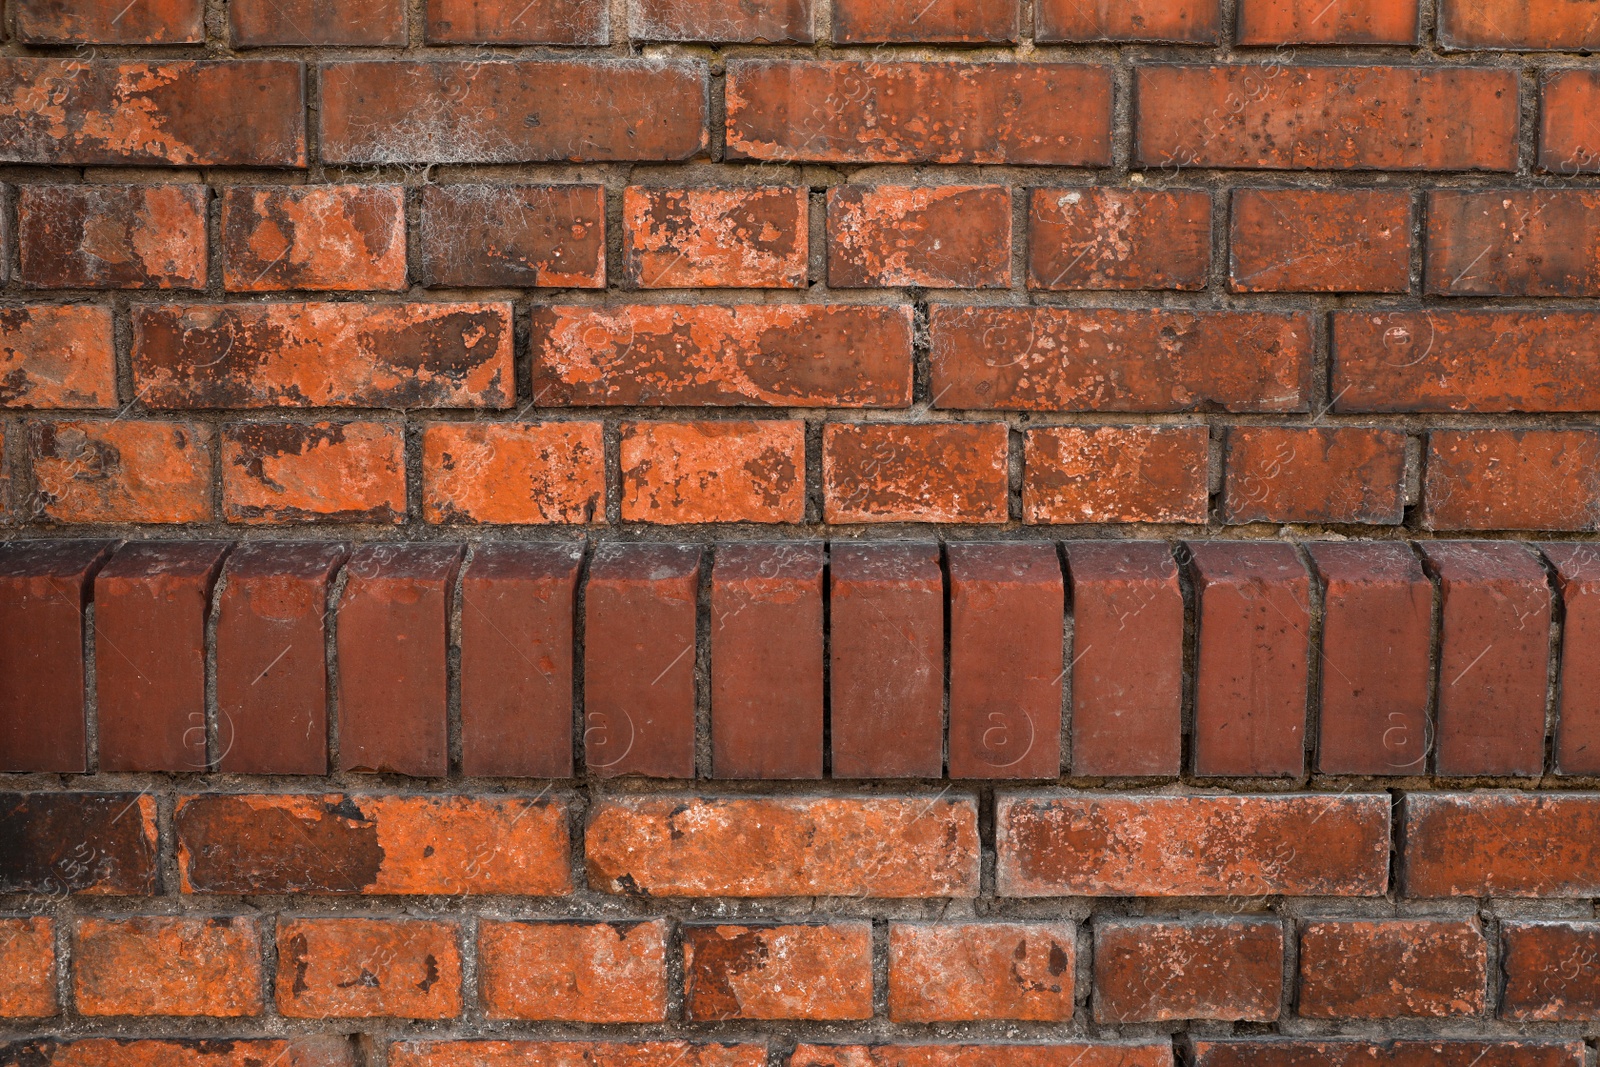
(799, 533)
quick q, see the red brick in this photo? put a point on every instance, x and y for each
(167, 966)
(1112, 359)
(513, 473)
(1316, 22)
(1549, 971)
(1253, 662)
(869, 847)
(903, 112)
(702, 355)
(1377, 640)
(514, 236)
(263, 23)
(109, 21)
(912, 21)
(1326, 117)
(1127, 658)
(688, 472)
(778, 972)
(507, 22)
(1073, 474)
(1119, 239)
(940, 237)
(1577, 576)
(516, 660)
(1322, 241)
(434, 845)
(1067, 1054)
(110, 471)
(607, 1053)
(512, 112)
(1182, 21)
(639, 660)
(1478, 361)
(1392, 969)
(1154, 972)
(85, 113)
(767, 660)
(1314, 474)
(1494, 650)
(1513, 242)
(1116, 845)
(296, 472)
(364, 968)
(57, 356)
(112, 236)
(324, 355)
(574, 972)
(742, 238)
(299, 1051)
(915, 472)
(391, 637)
(1567, 143)
(886, 660)
(28, 983)
(719, 21)
(1007, 606)
(45, 588)
(329, 237)
(271, 667)
(151, 604)
(1546, 25)
(1512, 479)
(91, 843)
(1500, 844)
(961, 972)
(1387, 1053)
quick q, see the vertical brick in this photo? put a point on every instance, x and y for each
(1155, 972)
(57, 356)
(1253, 661)
(938, 237)
(1127, 658)
(112, 236)
(263, 23)
(514, 236)
(1342, 474)
(1179, 21)
(1512, 480)
(720, 471)
(517, 603)
(1377, 644)
(639, 660)
(916, 472)
(743, 238)
(1513, 242)
(1392, 969)
(721, 21)
(886, 660)
(513, 473)
(97, 843)
(1265, 22)
(293, 472)
(151, 604)
(1577, 574)
(1100, 238)
(391, 638)
(122, 471)
(167, 966)
(498, 22)
(1494, 648)
(1073, 474)
(366, 968)
(1007, 606)
(28, 980)
(778, 972)
(1567, 144)
(1549, 971)
(574, 972)
(272, 670)
(767, 660)
(45, 587)
(1322, 241)
(327, 237)
(1524, 25)
(109, 21)
(971, 972)
(913, 21)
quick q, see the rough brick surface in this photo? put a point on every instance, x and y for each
(298, 1051)
(1566, 144)
(954, 21)
(28, 989)
(290, 472)
(499, 235)
(109, 21)
(1356, 240)
(731, 21)
(713, 472)
(1577, 574)
(960, 972)
(1117, 474)
(1513, 242)
(1398, 1053)
(1118, 239)
(263, 23)
(949, 237)
(1517, 24)
(778, 972)
(493, 22)
(359, 968)
(112, 236)
(57, 356)
(1380, 970)
(325, 237)
(1151, 971)
(716, 238)
(103, 471)
(1279, 22)
(574, 972)
(1500, 844)
(161, 966)
(879, 472)
(1512, 480)
(1321, 474)
(95, 843)
(513, 473)
(1549, 968)
(1179, 21)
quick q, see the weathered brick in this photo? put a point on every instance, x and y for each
(84, 113)
(361, 968)
(263, 23)
(961, 972)
(574, 972)
(167, 966)
(1151, 972)
(914, 21)
(299, 1051)
(721, 21)
(1500, 844)
(1512, 480)
(1068, 1054)
(112, 236)
(1577, 574)
(514, 236)
(327, 237)
(109, 21)
(1119, 239)
(1180, 21)
(1104, 844)
(576, 1054)
(705, 846)
(93, 843)
(1265, 22)
(1108, 359)
(722, 471)
(1544, 25)
(788, 355)
(111, 471)
(1320, 241)
(297, 472)
(28, 982)
(1314, 474)
(57, 356)
(939, 237)
(778, 972)
(914, 472)
(373, 845)
(1326, 117)
(512, 112)
(1075, 474)
(1567, 144)
(1513, 242)
(902, 112)
(1549, 971)
(1392, 969)
(1388, 1053)
(513, 473)
(324, 355)
(499, 22)
(739, 238)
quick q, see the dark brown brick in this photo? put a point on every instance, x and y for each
(500, 22)
(1513, 242)
(1155, 972)
(298, 1051)
(917, 21)
(1320, 241)
(112, 236)
(939, 237)
(514, 236)
(1513, 479)
(1179, 21)
(1098, 238)
(93, 843)
(1549, 971)
(1500, 844)
(1392, 969)
(1345, 474)
(327, 237)
(721, 21)
(1577, 573)
(263, 23)
(1387, 1053)
(109, 21)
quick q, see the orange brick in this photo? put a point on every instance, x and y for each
(328, 237)
(497, 22)
(366, 968)
(939, 237)
(1319, 22)
(27, 968)
(534, 473)
(713, 472)
(574, 972)
(602, 1053)
(1074, 474)
(1318, 474)
(1184, 21)
(715, 238)
(933, 21)
(1322, 241)
(1513, 242)
(950, 472)
(961, 972)
(1119, 239)
(1568, 142)
(57, 356)
(1512, 480)
(289, 472)
(778, 972)
(122, 472)
(332, 1050)
(1147, 971)
(1529, 25)
(167, 966)
(1390, 969)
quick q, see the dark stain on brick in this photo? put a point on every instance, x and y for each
(229, 845)
(81, 842)
(718, 955)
